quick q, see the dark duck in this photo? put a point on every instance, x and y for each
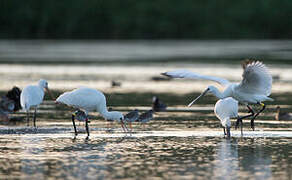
(10, 103)
(157, 105)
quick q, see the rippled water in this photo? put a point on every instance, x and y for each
(134, 78)
(183, 143)
(180, 144)
(160, 157)
(131, 67)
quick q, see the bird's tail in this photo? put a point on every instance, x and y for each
(25, 106)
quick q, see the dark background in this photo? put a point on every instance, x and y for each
(145, 19)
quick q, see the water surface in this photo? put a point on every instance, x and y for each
(182, 143)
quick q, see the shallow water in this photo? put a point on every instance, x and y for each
(179, 144)
(153, 156)
(134, 78)
(183, 143)
(135, 63)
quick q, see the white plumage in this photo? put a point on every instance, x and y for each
(254, 88)
(32, 96)
(90, 100)
(256, 79)
(186, 74)
(84, 98)
(225, 109)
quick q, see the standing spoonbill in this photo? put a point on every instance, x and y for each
(254, 88)
(224, 110)
(89, 100)
(32, 96)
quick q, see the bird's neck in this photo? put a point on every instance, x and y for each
(106, 114)
(41, 88)
(218, 94)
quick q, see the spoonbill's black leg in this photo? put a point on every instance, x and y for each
(228, 132)
(73, 120)
(252, 120)
(224, 131)
(239, 119)
(241, 124)
(86, 127)
(27, 117)
(34, 116)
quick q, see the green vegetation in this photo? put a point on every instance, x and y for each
(145, 19)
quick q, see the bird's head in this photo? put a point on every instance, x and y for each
(115, 116)
(211, 89)
(44, 84)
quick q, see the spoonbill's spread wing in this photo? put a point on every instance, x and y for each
(256, 79)
(191, 75)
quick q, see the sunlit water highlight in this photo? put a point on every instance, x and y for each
(163, 149)
(183, 143)
(65, 77)
(170, 155)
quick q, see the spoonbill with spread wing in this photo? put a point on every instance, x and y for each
(88, 99)
(254, 88)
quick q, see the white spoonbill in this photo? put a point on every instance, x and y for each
(224, 110)
(32, 96)
(89, 100)
(254, 88)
